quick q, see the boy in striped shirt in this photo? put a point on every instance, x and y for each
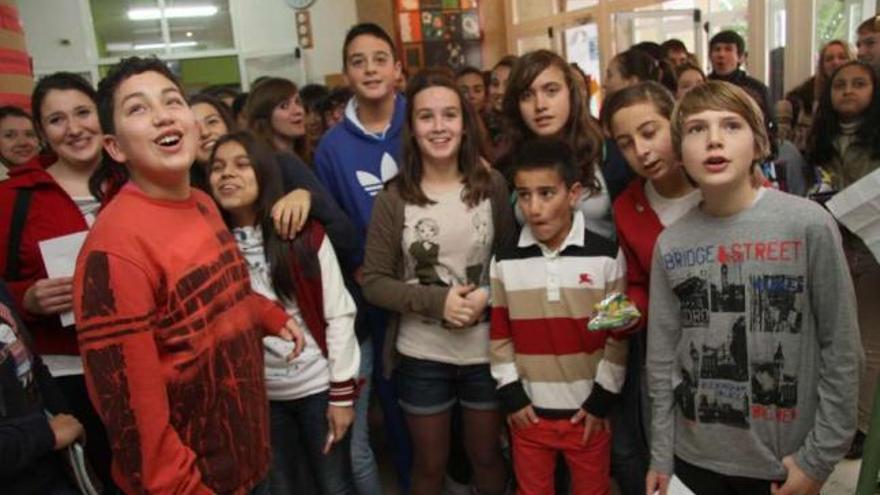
(556, 379)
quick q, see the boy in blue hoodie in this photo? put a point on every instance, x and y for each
(354, 159)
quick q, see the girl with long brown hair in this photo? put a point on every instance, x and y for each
(543, 99)
(433, 231)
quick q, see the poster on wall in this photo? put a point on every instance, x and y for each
(433, 25)
(410, 27)
(439, 32)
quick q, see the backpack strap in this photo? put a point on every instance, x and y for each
(19, 216)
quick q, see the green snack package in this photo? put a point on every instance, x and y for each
(614, 312)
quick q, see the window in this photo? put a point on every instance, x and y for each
(161, 27)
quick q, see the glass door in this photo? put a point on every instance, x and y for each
(631, 28)
(581, 48)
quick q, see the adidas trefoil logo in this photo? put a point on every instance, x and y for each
(372, 184)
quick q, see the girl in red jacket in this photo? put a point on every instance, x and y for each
(311, 398)
(637, 119)
(37, 204)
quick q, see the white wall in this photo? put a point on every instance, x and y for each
(266, 30)
(48, 24)
(331, 19)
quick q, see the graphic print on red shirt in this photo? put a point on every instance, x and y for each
(170, 334)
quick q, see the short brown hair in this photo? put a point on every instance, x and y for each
(644, 92)
(721, 96)
(869, 25)
(681, 69)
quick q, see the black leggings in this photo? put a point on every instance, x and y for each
(704, 482)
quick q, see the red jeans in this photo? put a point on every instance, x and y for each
(534, 457)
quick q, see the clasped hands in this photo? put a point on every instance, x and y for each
(465, 305)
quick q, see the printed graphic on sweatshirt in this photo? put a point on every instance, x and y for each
(425, 252)
(686, 391)
(741, 331)
(725, 356)
(447, 243)
(774, 381)
(776, 303)
(728, 290)
(693, 295)
(114, 400)
(98, 299)
(372, 184)
(713, 386)
(477, 271)
(723, 402)
(215, 388)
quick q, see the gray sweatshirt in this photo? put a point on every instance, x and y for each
(753, 351)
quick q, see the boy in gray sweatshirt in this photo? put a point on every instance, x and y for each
(753, 354)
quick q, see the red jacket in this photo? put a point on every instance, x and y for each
(308, 290)
(52, 213)
(638, 228)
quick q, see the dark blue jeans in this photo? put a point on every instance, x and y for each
(299, 430)
(629, 445)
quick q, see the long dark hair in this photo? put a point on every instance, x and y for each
(262, 100)
(476, 177)
(826, 122)
(276, 249)
(639, 64)
(222, 109)
(580, 132)
(106, 176)
(60, 81)
(198, 173)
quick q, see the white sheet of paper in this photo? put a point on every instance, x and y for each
(676, 487)
(59, 256)
(858, 208)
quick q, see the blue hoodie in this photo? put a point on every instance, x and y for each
(354, 164)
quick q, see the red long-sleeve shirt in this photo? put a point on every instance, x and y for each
(170, 335)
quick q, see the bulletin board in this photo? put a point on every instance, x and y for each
(439, 32)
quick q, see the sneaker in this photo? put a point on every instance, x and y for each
(857, 446)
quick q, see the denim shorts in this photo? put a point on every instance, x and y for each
(430, 387)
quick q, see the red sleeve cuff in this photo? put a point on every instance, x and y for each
(274, 319)
(345, 391)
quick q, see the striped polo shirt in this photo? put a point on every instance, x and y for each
(541, 352)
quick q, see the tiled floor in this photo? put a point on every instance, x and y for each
(843, 480)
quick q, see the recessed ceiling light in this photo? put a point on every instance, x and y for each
(155, 46)
(172, 12)
(189, 34)
(126, 47)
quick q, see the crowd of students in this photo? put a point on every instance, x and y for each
(257, 266)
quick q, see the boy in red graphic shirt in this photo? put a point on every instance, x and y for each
(169, 330)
